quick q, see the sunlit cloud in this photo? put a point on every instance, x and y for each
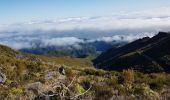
(123, 26)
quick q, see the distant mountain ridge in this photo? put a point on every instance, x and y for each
(80, 50)
(145, 55)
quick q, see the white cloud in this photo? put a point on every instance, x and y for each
(64, 41)
(132, 20)
(123, 26)
(21, 42)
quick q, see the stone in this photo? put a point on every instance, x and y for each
(62, 70)
(50, 75)
(35, 87)
(2, 77)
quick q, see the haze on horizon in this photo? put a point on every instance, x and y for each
(63, 22)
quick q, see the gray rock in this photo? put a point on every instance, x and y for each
(49, 75)
(62, 70)
(2, 77)
(35, 87)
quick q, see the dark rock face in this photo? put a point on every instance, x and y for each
(145, 55)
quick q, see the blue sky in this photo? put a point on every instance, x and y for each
(13, 11)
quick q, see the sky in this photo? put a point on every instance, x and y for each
(13, 11)
(25, 23)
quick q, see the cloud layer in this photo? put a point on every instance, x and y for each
(122, 26)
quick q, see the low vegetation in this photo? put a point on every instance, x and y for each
(38, 77)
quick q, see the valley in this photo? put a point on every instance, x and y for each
(28, 76)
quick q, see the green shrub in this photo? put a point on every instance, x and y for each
(139, 89)
(8, 82)
(79, 89)
(86, 84)
(127, 77)
(16, 91)
(156, 86)
(112, 81)
(145, 92)
(90, 71)
(103, 93)
(69, 73)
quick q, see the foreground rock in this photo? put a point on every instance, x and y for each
(62, 70)
(2, 77)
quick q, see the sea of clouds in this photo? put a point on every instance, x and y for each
(120, 27)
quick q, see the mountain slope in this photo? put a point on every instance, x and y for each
(34, 77)
(145, 55)
(79, 50)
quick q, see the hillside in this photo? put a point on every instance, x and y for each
(32, 77)
(145, 55)
(81, 50)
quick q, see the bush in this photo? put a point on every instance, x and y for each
(16, 91)
(139, 89)
(156, 86)
(145, 92)
(86, 84)
(90, 71)
(35, 67)
(103, 93)
(69, 73)
(79, 89)
(8, 82)
(127, 77)
(112, 81)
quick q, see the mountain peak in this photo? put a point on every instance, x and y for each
(163, 34)
(145, 55)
